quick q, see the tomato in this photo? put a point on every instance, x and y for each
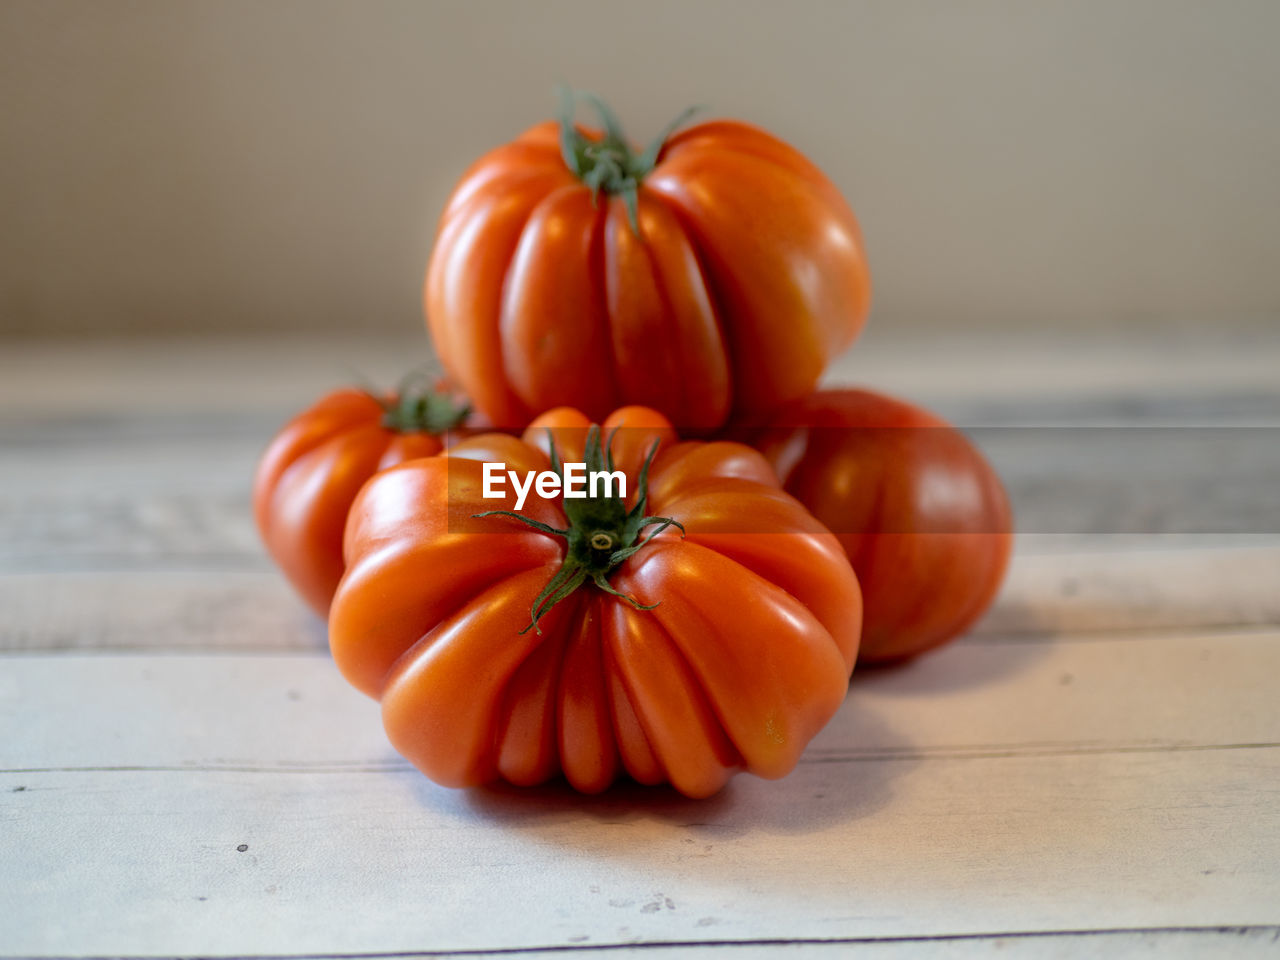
(718, 271)
(310, 473)
(923, 516)
(585, 637)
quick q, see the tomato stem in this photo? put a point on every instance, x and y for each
(418, 406)
(609, 163)
(602, 532)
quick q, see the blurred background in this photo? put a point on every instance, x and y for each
(232, 166)
(213, 212)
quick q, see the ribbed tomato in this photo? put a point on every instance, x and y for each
(923, 516)
(719, 270)
(311, 472)
(587, 637)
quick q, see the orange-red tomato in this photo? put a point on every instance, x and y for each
(923, 516)
(681, 658)
(720, 272)
(312, 470)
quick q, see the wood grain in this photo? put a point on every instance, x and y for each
(1122, 694)
(273, 375)
(1094, 770)
(134, 499)
(337, 862)
(131, 782)
(1047, 594)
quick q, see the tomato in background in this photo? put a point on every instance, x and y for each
(719, 270)
(590, 638)
(922, 515)
(311, 472)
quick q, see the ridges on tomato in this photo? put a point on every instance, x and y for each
(718, 271)
(723, 647)
(922, 515)
(310, 473)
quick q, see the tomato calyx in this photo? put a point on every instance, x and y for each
(417, 406)
(609, 164)
(602, 532)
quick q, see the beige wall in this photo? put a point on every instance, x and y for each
(218, 165)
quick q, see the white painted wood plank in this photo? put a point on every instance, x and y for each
(140, 467)
(998, 785)
(1194, 944)
(1201, 944)
(94, 532)
(147, 501)
(338, 862)
(159, 500)
(285, 712)
(1036, 755)
(1087, 590)
(1045, 595)
(277, 712)
(1168, 945)
(236, 374)
(124, 375)
(214, 610)
(1041, 364)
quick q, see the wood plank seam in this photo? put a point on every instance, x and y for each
(886, 756)
(588, 948)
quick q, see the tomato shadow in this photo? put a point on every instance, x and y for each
(848, 773)
(835, 782)
(973, 661)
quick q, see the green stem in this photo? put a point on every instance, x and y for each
(602, 532)
(610, 164)
(418, 407)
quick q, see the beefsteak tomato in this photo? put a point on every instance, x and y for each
(922, 515)
(587, 637)
(311, 471)
(717, 270)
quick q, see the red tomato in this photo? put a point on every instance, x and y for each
(922, 515)
(719, 270)
(310, 473)
(585, 637)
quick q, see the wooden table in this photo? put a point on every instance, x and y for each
(1094, 770)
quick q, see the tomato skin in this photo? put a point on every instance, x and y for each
(922, 515)
(747, 275)
(310, 474)
(745, 657)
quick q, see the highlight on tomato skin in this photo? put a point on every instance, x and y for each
(657, 636)
(716, 272)
(309, 475)
(922, 515)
